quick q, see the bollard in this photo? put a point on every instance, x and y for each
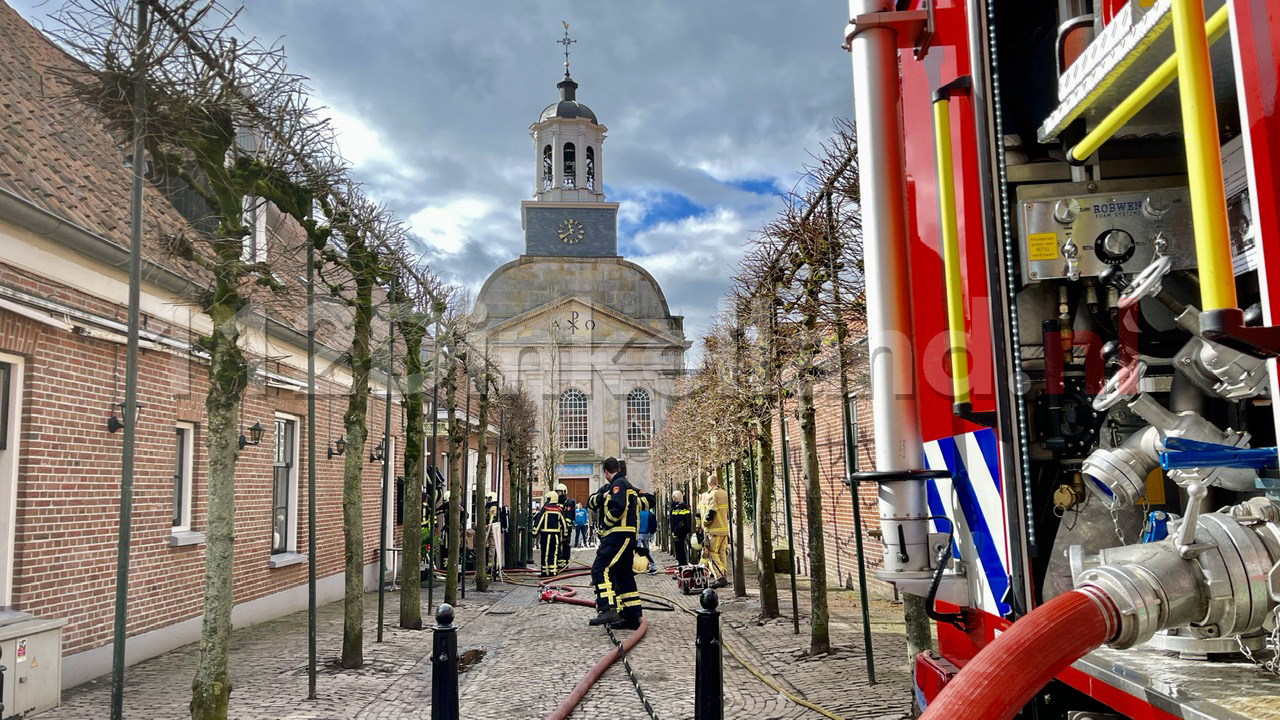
(444, 666)
(708, 690)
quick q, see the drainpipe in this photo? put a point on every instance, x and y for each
(898, 447)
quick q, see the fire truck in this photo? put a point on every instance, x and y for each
(1076, 452)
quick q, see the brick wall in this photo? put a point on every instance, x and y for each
(69, 478)
(837, 500)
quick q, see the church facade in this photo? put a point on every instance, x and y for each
(587, 333)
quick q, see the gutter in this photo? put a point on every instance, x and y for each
(46, 224)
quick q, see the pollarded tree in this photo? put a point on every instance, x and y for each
(362, 257)
(226, 124)
(420, 300)
(519, 417)
(486, 380)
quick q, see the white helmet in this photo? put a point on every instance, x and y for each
(552, 497)
(492, 497)
(562, 488)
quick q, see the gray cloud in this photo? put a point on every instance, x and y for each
(695, 94)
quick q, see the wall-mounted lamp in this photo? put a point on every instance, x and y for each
(377, 454)
(115, 424)
(339, 447)
(255, 436)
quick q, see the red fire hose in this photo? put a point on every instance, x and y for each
(552, 592)
(1006, 674)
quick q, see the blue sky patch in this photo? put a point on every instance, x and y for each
(756, 186)
(660, 206)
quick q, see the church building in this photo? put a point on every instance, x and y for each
(585, 332)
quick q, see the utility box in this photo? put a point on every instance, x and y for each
(31, 652)
(782, 560)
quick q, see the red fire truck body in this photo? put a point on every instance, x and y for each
(1043, 187)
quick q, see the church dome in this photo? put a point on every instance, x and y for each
(568, 108)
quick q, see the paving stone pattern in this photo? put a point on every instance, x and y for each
(531, 654)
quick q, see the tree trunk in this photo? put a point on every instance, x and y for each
(482, 485)
(740, 547)
(353, 477)
(819, 635)
(764, 523)
(228, 374)
(414, 449)
(454, 453)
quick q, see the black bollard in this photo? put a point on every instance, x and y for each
(444, 666)
(708, 690)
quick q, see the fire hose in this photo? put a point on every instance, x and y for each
(1006, 674)
(553, 591)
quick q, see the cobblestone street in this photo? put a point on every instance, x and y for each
(533, 655)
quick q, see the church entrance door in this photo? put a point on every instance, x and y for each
(579, 488)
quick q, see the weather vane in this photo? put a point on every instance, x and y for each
(566, 41)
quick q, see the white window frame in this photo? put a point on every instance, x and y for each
(9, 479)
(648, 410)
(290, 556)
(586, 420)
(184, 461)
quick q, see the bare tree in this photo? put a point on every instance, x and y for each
(420, 300)
(228, 125)
(485, 378)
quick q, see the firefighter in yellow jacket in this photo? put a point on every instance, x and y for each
(713, 518)
(550, 526)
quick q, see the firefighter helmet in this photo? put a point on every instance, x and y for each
(552, 497)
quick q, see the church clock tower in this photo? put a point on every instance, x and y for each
(569, 216)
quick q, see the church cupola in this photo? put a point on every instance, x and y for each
(567, 139)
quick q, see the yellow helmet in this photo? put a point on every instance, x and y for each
(639, 563)
(552, 497)
(562, 488)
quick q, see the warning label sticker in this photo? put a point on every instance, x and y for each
(1042, 246)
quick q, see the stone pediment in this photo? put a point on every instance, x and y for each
(575, 319)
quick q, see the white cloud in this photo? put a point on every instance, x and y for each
(448, 225)
(358, 141)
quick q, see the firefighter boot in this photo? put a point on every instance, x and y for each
(605, 617)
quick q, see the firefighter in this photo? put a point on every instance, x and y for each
(567, 507)
(618, 503)
(497, 519)
(680, 523)
(549, 526)
(713, 515)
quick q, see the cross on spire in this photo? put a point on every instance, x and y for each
(566, 41)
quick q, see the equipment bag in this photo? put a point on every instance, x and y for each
(691, 578)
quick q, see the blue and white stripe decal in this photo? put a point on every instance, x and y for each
(973, 500)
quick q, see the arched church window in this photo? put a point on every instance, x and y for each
(570, 180)
(573, 420)
(548, 169)
(639, 419)
(591, 168)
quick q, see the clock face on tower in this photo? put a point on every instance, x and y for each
(571, 231)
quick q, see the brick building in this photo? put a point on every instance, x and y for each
(64, 229)
(837, 500)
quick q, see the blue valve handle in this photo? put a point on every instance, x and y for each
(1157, 526)
(1182, 453)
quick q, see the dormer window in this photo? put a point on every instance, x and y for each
(253, 246)
(591, 168)
(570, 174)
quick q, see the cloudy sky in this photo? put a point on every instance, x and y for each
(711, 105)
